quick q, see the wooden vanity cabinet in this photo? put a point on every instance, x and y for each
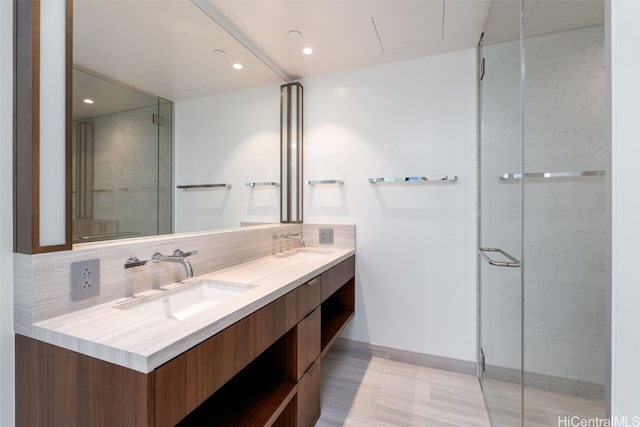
(309, 296)
(333, 292)
(263, 370)
(335, 278)
(261, 394)
(308, 397)
(309, 334)
(308, 372)
(59, 387)
(338, 301)
(186, 381)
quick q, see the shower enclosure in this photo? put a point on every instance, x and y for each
(543, 226)
(122, 161)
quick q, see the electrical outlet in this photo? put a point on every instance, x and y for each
(326, 236)
(85, 279)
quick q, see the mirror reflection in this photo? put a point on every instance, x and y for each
(121, 171)
(169, 109)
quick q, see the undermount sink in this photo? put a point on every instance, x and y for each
(304, 254)
(183, 303)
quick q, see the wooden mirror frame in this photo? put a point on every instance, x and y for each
(26, 99)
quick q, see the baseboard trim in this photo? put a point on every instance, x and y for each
(364, 349)
(547, 382)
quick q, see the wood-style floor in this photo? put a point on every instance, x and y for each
(542, 408)
(358, 390)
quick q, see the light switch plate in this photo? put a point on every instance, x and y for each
(85, 279)
(326, 236)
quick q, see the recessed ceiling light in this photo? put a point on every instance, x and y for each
(238, 66)
(294, 34)
(219, 52)
(88, 101)
(307, 51)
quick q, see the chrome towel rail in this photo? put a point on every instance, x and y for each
(189, 187)
(262, 184)
(518, 175)
(413, 179)
(325, 181)
(513, 262)
(105, 236)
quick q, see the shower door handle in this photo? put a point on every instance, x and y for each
(512, 263)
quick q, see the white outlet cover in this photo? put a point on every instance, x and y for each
(325, 236)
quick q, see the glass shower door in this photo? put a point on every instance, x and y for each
(500, 227)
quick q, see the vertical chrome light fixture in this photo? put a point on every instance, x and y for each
(84, 170)
(291, 153)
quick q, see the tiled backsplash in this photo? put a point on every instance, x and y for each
(42, 282)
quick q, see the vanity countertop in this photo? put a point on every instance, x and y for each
(143, 342)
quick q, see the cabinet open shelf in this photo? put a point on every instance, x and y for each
(256, 404)
(337, 310)
(257, 396)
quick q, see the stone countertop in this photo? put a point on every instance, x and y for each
(143, 342)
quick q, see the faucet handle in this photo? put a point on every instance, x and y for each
(179, 253)
(134, 261)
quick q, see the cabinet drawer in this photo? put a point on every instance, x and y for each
(308, 297)
(334, 278)
(309, 338)
(308, 397)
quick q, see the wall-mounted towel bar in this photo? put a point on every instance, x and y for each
(518, 175)
(325, 181)
(414, 179)
(106, 236)
(262, 184)
(189, 187)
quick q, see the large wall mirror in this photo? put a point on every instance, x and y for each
(176, 125)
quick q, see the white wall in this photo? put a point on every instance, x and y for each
(232, 138)
(6, 215)
(416, 258)
(415, 242)
(625, 136)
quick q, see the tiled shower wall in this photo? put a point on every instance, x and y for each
(566, 227)
(132, 174)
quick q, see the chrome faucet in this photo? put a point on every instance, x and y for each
(179, 257)
(290, 236)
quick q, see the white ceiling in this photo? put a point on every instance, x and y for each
(108, 97)
(349, 34)
(165, 47)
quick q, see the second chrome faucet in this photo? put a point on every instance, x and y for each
(179, 257)
(290, 236)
